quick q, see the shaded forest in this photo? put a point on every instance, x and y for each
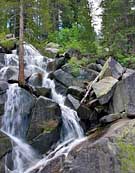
(70, 24)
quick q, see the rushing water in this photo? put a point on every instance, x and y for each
(14, 123)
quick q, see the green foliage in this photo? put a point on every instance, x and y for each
(72, 38)
(76, 65)
(6, 43)
(118, 27)
(127, 60)
(127, 156)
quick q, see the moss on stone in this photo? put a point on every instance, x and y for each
(49, 126)
(126, 146)
(8, 44)
(127, 157)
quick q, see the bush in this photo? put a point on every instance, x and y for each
(72, 38)
(6, 43)
(76, 65)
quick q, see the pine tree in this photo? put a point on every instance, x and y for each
(118, 26)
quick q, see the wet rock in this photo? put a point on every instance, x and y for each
(76, 91)
(44, 141)
(123, 99)
(60, 88)
(1, 66)
(42, 91)
(112, 68)
(2, 58)
(45, 123)
(36, 80)
(104, 89)
(8, 73)
(3, 87)
(94, 66)
(11, 60)
(26, 103)
(3, 95)
(5, 145)
(112, 117)
(72, 102)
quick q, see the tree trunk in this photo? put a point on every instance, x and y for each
(21, 77)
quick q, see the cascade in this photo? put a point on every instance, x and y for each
(14, 123)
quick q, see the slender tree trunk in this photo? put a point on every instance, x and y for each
(21, 77)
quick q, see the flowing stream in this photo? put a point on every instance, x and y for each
(14, 123)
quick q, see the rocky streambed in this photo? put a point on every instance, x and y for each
(107, 114)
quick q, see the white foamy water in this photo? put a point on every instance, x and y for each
(25, 158)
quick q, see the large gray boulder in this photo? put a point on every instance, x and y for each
(36, 79)
(112, 68)
(60, 88)
(8, 73)
(87, 74)
(108, 151)
(45, 124)
(72, 102)
(104, 89)
(89, 117)
(123, 99)
(112, 117)
(66, 79)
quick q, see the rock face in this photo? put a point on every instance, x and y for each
(112, 68)
(72, 102)
(87, 74)
(66, 79)
(124, 96)
(36, 79)
(45, 124)
(104, 152)
(3, 96)
(104, 89)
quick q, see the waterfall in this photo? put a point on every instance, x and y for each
(14, 123)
